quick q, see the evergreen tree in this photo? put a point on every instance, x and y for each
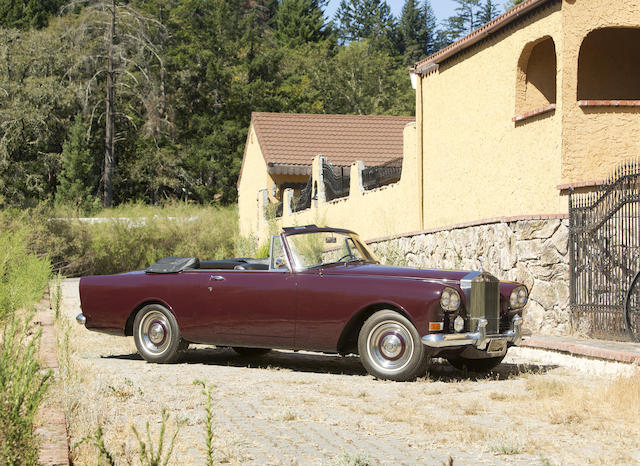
(487, 12)
(27, 14)
(77, 177)
(365, 19)
(299, 22)
(465, 20)
(417, 29)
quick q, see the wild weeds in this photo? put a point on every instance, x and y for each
(22, 387)
(97, 441)
(151, 455)
(208, 434)
(23, 278)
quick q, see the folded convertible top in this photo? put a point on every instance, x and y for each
(173, 265)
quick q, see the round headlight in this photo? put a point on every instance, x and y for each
(450, 299)
(518, 297)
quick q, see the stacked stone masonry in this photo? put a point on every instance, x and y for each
(534, 252)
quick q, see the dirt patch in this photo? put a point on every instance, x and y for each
(303, 408)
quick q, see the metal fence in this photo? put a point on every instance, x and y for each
(382, 175)
(336, 181)
(302, 201)
(604, 246)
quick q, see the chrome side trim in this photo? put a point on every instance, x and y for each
(479, 338)
(465, 285)
(81, 319)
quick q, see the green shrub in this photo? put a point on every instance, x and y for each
(22, 387)
(23, 278)
(129, 237)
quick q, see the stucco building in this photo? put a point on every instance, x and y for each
(540, 102)
(543, 98)
(280, 148)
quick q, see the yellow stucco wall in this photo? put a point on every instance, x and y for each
(376, 213)
(475, 162)
(596, 139)
(478, 163)
(253, 178)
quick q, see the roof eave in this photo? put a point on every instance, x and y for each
(430, 63)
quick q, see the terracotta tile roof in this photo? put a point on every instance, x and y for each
(294, 138)
(423, 66)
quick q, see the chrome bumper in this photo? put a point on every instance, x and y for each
(479, 339)
(81, 319)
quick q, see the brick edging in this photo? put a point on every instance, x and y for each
(52, 433)
(477, 223)
(582, 350)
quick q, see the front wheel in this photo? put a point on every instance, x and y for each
(632, 308)
(157, 335)
(480, 366)
(390, 347)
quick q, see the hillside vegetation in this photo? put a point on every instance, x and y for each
(128, 237)
(104, 102)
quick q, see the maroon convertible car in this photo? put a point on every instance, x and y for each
(321, 289)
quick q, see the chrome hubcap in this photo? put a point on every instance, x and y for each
(155, 332)
(390, 346)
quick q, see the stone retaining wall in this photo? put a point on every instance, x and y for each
(531, 251)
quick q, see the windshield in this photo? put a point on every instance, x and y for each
(319, 248)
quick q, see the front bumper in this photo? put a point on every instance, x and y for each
(479, 338)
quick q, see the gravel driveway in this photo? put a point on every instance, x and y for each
(302, 408)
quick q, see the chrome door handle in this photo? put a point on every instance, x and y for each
(216, 278)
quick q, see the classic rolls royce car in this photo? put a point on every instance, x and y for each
(321, 289)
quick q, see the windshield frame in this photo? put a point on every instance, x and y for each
(368, 256)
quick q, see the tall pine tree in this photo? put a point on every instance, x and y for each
(298, 22)
(365, 19)
(488, 11)
(77, 179)
(417, 30)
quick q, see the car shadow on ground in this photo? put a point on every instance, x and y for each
(440, 370)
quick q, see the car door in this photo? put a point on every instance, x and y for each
(256, 307)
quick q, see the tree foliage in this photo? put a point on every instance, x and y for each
(76, 184)
(186, 76)
(417, 29)
(365, 19)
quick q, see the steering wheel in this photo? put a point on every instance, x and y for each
(345, 256)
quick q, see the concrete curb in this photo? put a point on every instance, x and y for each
(52, 433)
(586, 350)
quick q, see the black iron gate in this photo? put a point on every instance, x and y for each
(604, 248)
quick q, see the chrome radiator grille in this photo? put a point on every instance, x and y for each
(485, 302)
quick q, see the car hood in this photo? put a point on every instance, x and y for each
(396, 272)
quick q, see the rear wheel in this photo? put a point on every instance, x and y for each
(157, 335)
(480, 366)
(632, 308)
(250, 351)
(390, 347)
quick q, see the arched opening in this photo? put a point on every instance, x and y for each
(609, 65)
(536, 80)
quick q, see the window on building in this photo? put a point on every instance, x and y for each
(609, 65)
(536, 80)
